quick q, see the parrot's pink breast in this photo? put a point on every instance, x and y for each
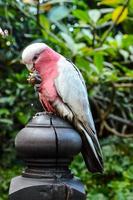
(46, 65)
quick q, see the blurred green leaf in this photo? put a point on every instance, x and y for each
(98, 60)
(82, 15)
(6, 121)
(4, 111)
(69, 42)
(44, 22)
(96, 197)
(57, 13)
(129, 173)
(119, 14)
(94, 15)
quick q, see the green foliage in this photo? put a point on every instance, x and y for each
(102, 49)
(116, 181)
(5, 179)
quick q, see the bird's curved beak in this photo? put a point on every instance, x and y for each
(30, 67)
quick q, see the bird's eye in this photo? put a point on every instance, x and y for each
(35, 57)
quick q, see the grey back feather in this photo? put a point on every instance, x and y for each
(71, 87)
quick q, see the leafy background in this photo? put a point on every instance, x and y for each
(97, 36)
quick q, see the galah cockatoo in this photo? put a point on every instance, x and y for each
(62, 91)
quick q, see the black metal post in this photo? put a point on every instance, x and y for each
(47, 145)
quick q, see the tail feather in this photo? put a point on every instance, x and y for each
(91, 150)
(93, 164)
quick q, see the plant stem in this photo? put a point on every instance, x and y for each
(38, 10)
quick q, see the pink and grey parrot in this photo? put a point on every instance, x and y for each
(62, 91)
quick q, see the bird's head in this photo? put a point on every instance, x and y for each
(31, 53)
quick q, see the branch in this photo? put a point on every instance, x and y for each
(119, 119)
(94, 37)
(106, 113)
(111, 104)
(124, 128)
(123, 85)
(115, 132)
(125, 79)
(97, 108)
(105, 99)
(91, 26)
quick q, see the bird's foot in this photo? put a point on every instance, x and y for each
(34, 78)
(44, 113)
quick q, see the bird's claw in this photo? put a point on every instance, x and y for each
(34, 78)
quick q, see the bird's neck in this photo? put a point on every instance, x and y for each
(46, 64)
(47, 61)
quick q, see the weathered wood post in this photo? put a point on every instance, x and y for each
(47, 145)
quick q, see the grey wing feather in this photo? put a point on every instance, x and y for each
(79, 73)
(71, 87)
(72, 90)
